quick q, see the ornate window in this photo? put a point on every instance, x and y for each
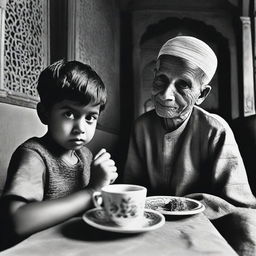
(26, 50)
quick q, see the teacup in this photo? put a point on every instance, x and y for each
(124, 204)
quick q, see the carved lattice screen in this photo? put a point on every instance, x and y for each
(26, 50)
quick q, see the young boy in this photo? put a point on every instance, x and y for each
(52, 178)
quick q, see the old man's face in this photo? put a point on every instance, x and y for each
(176, 88)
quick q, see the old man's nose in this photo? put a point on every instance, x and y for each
(169, 92)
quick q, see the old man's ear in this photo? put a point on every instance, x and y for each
(42, 113)
(204, 93)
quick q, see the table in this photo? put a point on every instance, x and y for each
(187, 236)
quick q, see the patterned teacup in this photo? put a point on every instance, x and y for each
(124, 204)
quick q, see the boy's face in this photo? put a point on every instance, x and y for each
(71, 124)
(175, 89)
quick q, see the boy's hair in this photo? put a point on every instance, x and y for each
(71, 80)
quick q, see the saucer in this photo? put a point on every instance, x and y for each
(97, 218)
(174, 205)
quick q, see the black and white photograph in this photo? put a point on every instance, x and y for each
(127, 127)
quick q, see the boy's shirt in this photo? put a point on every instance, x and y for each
(53, 178)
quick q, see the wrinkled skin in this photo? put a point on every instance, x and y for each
(176, 89)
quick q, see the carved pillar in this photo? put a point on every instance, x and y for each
(248, 72)
(2, 18)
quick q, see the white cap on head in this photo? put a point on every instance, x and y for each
(194, 50)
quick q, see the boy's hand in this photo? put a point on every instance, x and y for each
(103, 171)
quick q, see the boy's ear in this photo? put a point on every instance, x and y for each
(42, 113)
(204, 94)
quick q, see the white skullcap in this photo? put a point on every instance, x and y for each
(194, 50)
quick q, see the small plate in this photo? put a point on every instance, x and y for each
(97, 218)
(174, 205)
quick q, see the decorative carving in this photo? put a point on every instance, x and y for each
(26, 49)
(2, 19)
(248, 75)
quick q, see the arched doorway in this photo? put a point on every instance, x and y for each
(219, 100)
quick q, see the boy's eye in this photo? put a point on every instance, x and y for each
(91, 118)
(69, 115)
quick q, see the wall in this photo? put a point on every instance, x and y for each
(93, 38)
(219, 21)
(16, 125)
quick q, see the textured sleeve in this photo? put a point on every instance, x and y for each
(87, 159)
(229, 173)
(135, 168)
(25, 176)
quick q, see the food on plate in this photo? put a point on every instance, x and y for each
(176, 205)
